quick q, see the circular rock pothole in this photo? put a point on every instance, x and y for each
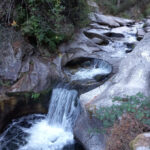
(87, 70)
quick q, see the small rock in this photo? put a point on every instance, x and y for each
(141, 142)
(129, 51)
(86, 64)
(100, 77)
(113, 34)
(140, 34)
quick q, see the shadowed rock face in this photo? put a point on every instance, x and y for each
(19, 104)
(13, 50)
(21, 66)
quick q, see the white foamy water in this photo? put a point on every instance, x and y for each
(39, 132)
(46, 137)
(98, 67)
(88, 73)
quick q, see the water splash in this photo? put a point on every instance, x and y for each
(40, 132)
(97, 67)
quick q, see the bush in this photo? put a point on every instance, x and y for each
(137, 106)
(123, 122)
(46, 22)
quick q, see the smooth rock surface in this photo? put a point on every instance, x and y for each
(21, 66)
(84, 132)
(102, 41)
(40, 76)
(110, 20)
(132, 77)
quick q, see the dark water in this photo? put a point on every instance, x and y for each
(15, 136)
(46, 132)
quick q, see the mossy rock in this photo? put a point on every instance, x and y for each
(141, 141)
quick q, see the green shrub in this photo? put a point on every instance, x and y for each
(147, 10)
(138, 106)
(47, 22)
(35, 95)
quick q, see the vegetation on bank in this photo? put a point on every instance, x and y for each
(125, 121)
(125, 8)
(45, 22)
(137, 105)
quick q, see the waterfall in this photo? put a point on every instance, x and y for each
(63, 108)
(45, 132)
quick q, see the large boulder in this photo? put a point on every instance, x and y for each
(21, 65)
(13, 50)
(141, 142)
(132, 77)
(147, 25)
(110, 21)
(41, 74)
(85, 132)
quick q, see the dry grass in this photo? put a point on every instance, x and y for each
(124, 132)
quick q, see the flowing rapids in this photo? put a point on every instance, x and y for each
(97, 67)
(45, 132)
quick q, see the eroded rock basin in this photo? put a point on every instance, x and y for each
(87, 70)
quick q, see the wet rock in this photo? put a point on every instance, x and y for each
(99, 78)
(147, 25)
(96, 34)
(90, 140)
(129, 51)
(131, 78)
(130, 47)
(92, 42)
(100, 41)
(140, 34)
(111, 21)
(86, 64)
(113, 34)
(141, 142)
(98, 26)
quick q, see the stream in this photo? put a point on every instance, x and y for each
(46, 132)
(54, 131)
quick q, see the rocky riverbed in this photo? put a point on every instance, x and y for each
(116, 41)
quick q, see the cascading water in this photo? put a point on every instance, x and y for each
(97, 67)
(40, 132)
(63, 108)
